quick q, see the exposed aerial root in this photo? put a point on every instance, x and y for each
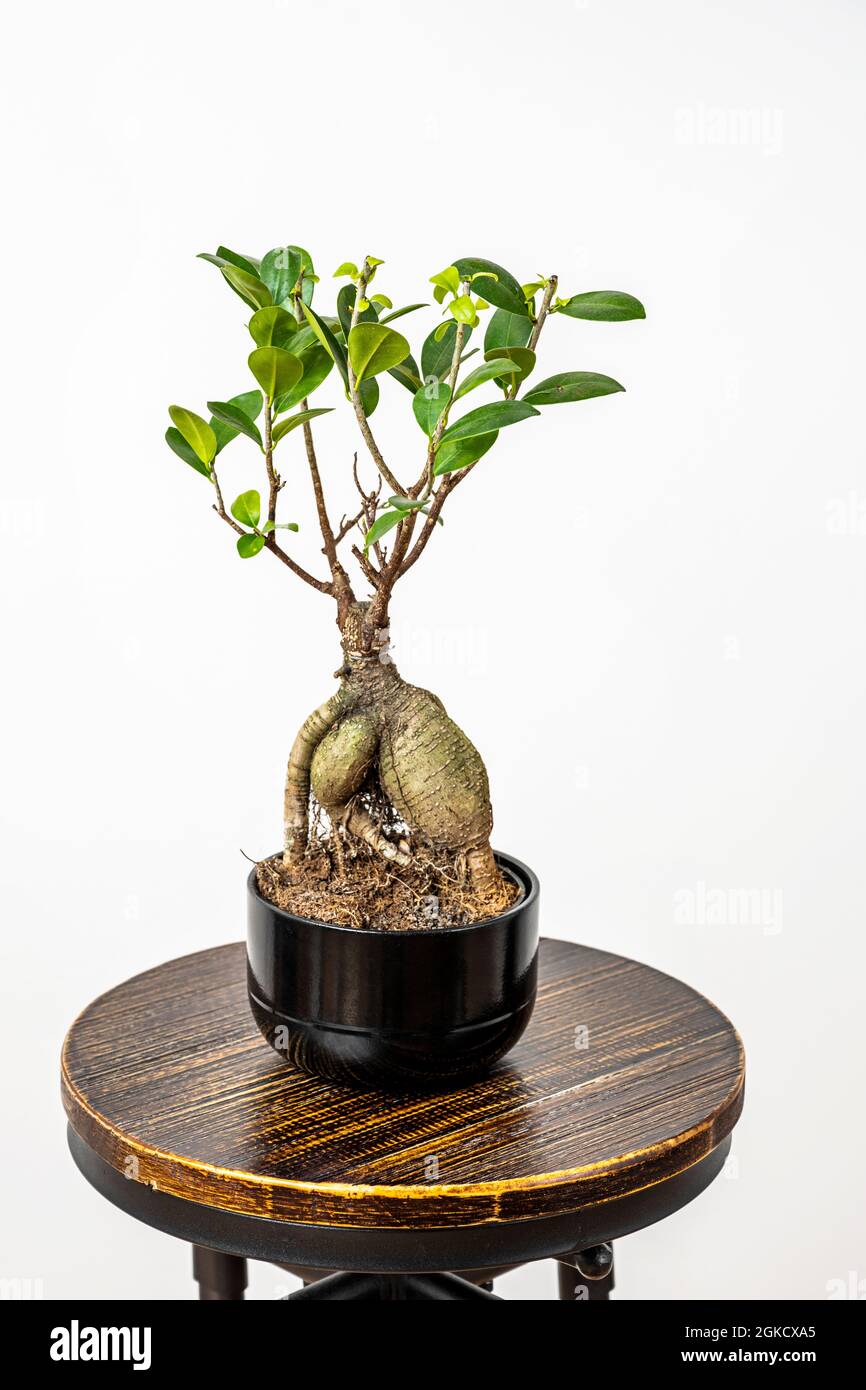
(359, 822)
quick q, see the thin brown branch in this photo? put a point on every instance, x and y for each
(364, 561)
(349, 524)
(273, 477)
(355, 395)
(549, 292)
(321, 585)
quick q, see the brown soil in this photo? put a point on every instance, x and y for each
(343, 882)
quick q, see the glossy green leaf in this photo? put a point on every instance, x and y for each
(248, 263)
(275, 370)
(429, 403)
(374, 348)
(175, 440)
(291, 422)
(489, 417)
(247, 508)
(329, 341)
(436, 356)
(250, 402)
(317, 364)
(487, 371)
(250, 288)
(398, 313)
(270, 526)
(452, 455)
(308, 274)
(196, 431)
(407, 373)
(463, 310)
(347, 268)
(603, 306)
(369, 393)
(229, 414)
(507, 330)
(493, 283)
(249, 545)
(408, 504)
(447, 280)
(345, 307)
(384, 523)
(273, 327)
(571, 386)
(523, 358)
(280, 270)
(225, 257)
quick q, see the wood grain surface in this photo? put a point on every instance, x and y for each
(167, 1078)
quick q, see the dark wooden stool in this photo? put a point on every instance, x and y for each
(613, 1111)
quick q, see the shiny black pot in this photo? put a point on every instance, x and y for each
(395, 1009)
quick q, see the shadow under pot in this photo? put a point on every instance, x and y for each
(398, 1010)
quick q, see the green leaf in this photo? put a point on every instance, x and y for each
(225, 257)
(175, 440)
(398, 313)
(248, 263)
(488, 371)
(489, 417)
(407, 373)
(291, 422)
(317, 363)
(250, 288)
(249, 545)
(603, 306)
(275, 370)
(369, 393)
(436, 356)
(460, 453)
(523, 358)
(373, 348)
(345, 306)
(196, 431)
(272, 327)
(384, 522)
(463, 310)
(280, 270)
(572, 386)
(408, 504)
(493, 283)
(429, 403)
(347, 268)
(447, 280)
(247, 508)
(250, 402)
(506, 330)
(329, 341)
(270, 526)
(308, 275)
(229, 414)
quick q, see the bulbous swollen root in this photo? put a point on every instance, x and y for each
(379, 729)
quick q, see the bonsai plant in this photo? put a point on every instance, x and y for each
(387, 815)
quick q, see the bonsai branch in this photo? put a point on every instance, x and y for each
(355, 396)
(321, 585)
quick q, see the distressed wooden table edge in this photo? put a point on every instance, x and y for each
(428, 1205)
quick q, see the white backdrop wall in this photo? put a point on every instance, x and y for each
(666, 675)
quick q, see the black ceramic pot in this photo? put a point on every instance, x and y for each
(399, 1010)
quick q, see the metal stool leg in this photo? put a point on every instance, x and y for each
(587, 1275)
(221, 1278)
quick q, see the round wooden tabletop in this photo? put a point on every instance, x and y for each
(624, 1079)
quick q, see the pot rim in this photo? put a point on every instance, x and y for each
(516, 867)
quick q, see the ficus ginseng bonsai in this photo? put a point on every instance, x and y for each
(401, 784)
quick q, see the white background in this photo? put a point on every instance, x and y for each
(646, 610)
